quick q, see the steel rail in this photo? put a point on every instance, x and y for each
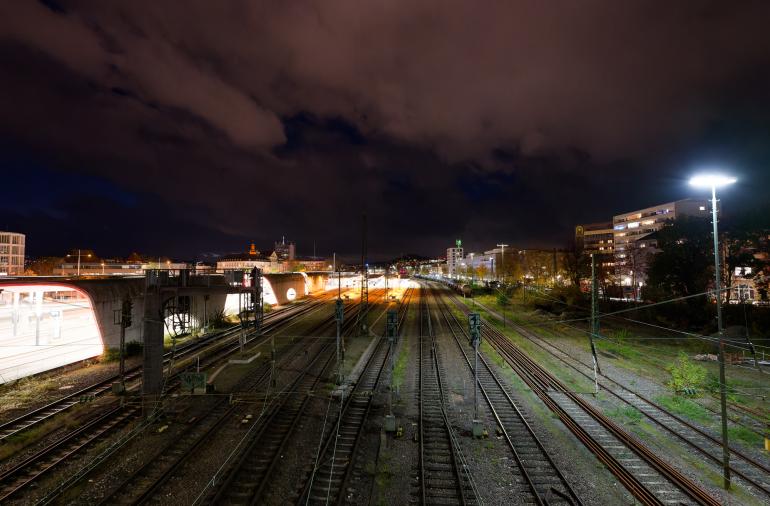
(568, 494)
(104, 420)
(445, 443)
(541, 381)
(743, 474)
(219, 415)
(360, 398)
(258, 479)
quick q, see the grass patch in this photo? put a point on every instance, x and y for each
(133, 349)
(619, 349)
(382, 477)
(490, 352)
(685, 407)
(627, 415)
(745, 435)
(24, 391)
(400, 368)
(22, 439)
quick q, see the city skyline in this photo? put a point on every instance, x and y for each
(124, 140)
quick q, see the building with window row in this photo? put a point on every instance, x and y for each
(12, 253)
(595, 238)
(635, 239)
(454, 259)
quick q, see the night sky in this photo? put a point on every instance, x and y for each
(191, 128)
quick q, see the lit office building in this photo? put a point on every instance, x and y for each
(634, 242)
(595, 238)
(11, 254)
(454, 259)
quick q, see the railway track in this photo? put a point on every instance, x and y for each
(648, 477)
(47, 412)
(443, 477)
(36, 466)
(147, 482)
(333, 465)
(32, 469)
(755, 473)
(250, 474)
(744, 416)
(541, 479)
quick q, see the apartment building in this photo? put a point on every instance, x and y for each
(454, 259)
(634, 240)
(595, 238)
(11, 253)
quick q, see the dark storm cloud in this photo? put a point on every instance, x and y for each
(251, 120)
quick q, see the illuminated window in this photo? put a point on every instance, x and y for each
(702, 208)
(633, 224)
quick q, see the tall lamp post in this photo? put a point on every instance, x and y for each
(88, 256)
(713, 181)
(502, 258)
(472, 267)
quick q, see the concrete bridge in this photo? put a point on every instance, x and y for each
(47, 322)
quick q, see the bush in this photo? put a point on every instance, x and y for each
(621, 334)
(686, 375)
(218, 320)
(134, 348)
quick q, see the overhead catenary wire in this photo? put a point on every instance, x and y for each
(668, 329)
(662, 363)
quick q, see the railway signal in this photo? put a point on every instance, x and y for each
(391, 329)
(594, 324)
(474, 327)
(339, 315)
(123, 318)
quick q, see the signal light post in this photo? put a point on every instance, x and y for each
(594, 323)
(474, 327)
(339, 315)
(123, 318)
(391, 329)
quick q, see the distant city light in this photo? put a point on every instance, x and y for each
(711, 180)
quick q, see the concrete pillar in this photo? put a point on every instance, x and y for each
(38, 314)
(16, 316)
(152, 373)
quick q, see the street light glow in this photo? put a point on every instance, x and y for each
(711, 180)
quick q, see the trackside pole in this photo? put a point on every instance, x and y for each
(339, 315)
(392, 329)
(594, 324)
(474, 327)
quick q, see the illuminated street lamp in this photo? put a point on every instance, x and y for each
(472, 277)
(713, 181)
(88, 255)
(502, 258)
